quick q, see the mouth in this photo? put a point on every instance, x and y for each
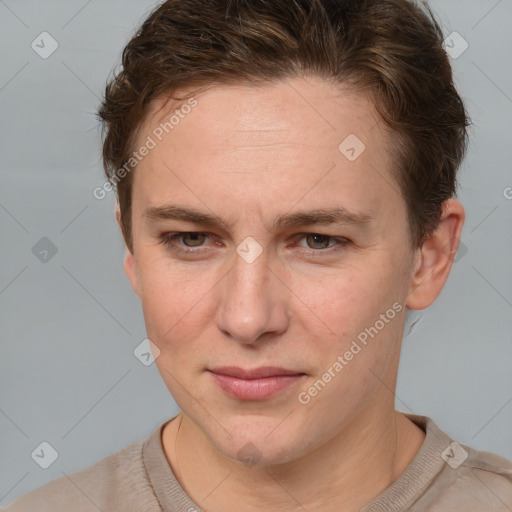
(256, 373)
(255, 384)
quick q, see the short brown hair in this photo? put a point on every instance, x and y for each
(391, 49)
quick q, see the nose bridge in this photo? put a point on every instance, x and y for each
(253, 299)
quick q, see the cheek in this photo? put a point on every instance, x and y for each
(175, 306)
(349, 305)
(346, 300)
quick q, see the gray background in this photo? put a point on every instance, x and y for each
(69, 325)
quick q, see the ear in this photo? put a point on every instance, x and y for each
(435, 258)
(129, 264)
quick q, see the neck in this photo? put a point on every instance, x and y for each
(348, 471)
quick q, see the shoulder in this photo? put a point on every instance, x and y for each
(478, 480)
(468, 479)
(448, 476)
(117, 482)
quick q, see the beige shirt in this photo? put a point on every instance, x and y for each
(444, 476)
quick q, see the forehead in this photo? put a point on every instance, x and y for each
(285, 106)
(266, 145)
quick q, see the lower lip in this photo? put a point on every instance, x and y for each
(254, 389)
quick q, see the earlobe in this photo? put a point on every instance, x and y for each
(129, 264)
(130, 270)
(436, 256)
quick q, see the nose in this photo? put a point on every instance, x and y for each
(254, 302)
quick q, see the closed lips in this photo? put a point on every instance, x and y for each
(256, 373)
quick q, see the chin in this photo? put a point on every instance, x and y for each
(261, 446)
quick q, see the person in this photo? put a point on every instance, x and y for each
(286, 174)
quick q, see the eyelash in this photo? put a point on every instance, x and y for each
(168, 239)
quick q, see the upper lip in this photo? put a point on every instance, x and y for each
(255, 373)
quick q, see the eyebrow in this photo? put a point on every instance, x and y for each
(319, 216)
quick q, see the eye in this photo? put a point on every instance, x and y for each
(193, 236)
(317, 243)
(191, 242)
(320, 241)
(191, 239)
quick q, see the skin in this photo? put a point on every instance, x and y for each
(248, 154)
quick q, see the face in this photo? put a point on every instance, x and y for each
(273, 282)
